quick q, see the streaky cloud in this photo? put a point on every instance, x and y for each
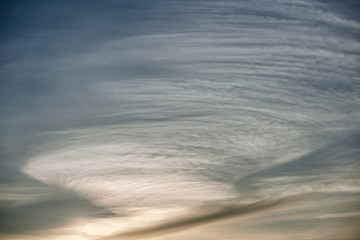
(334, 167)
(220, 213)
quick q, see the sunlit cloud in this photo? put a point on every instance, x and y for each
(217, 214)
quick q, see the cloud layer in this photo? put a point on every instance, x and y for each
(143, 112)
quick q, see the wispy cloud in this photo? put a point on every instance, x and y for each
(223, 212)
(138, 107)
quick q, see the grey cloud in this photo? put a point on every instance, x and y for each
(56, 208)
(338, 210)
(331, 165)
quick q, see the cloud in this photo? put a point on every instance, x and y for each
(222, 212)
(127, 102)
(331, 168)
(56, 208)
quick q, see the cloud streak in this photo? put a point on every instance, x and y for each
(224, 212)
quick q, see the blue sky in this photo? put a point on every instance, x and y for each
(138, 119)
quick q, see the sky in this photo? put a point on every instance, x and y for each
(178, 119)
